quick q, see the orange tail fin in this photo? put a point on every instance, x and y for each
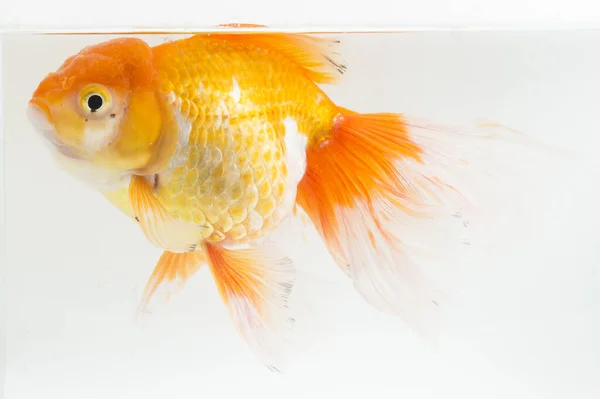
(373, 186)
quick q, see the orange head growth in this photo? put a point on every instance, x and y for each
(102, 106)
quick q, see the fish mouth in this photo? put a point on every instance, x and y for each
(38, 114)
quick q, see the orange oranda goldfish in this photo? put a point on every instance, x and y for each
(210, 142)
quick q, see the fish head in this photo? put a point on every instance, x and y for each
(102, 106)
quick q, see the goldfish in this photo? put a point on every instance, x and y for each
(210, 143)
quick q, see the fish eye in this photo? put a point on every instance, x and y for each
(94, 99)
(95, 102)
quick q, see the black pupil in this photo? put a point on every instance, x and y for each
(95, 102)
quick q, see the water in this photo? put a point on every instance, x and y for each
(74, 268)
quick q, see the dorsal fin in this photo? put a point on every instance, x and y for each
(241, 25)
(318, 56)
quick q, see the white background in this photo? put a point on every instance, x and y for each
(178, 14)
(76, 267)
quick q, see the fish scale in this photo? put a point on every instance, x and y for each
(233, 177)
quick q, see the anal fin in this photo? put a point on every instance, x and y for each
(255, 284)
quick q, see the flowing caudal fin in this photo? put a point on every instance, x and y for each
(255, 284)
(386, 191)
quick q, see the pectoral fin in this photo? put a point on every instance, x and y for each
(160, 227)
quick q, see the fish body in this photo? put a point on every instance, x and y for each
(244, 122)
(210, 142)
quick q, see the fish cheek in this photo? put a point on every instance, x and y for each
(69, 125)
(140, 129)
